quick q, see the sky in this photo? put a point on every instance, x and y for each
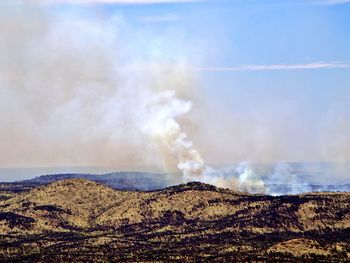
(268, 80)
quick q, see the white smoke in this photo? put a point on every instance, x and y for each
(160, 124)
(284, 180)
(160, 113)
(249, 181)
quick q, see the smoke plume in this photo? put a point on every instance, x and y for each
(161, 126)
(71, 102)
(249, 181)
(89, 89)
(160, 112)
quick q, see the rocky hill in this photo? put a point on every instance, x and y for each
(80, 220)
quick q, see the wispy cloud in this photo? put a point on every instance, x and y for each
(314, 65)
(333, 2)
(242, 68)
(160, 19)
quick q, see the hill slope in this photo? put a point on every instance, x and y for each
(85, 220)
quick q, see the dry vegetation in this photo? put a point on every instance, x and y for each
(79, 220)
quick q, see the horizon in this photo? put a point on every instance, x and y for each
(309, 171)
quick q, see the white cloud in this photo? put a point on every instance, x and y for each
(251, 67)
(314, 65)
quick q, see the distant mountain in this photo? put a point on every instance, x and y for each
(144, 181)
(80, 220)
(117, 180)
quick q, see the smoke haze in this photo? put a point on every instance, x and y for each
(63, 100)
(85, 90)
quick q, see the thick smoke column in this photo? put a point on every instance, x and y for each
(159, 122)
(161, 126)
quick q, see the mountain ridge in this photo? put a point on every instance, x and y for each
(146, 181)
(128, 180)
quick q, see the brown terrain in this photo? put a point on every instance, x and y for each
(79, 220)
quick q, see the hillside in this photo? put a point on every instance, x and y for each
(81, 219)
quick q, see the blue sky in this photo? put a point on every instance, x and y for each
(304, 45)
(256, 55)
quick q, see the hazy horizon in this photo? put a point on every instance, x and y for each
(311, 172)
